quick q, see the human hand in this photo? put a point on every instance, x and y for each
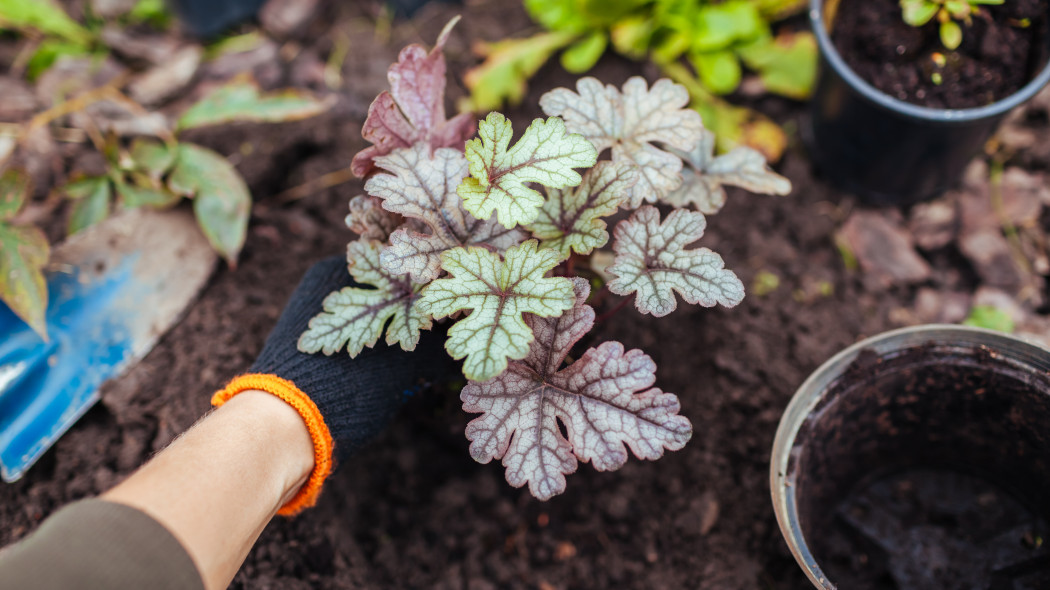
(345, 402)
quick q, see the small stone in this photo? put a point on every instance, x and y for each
(19, 102)
(933, 225)
(989, 252)
(168, 79)
(111, 8)
(883, 248)
(933, 306)
(149, 49)
(284, 18)
(1024, 195)
(564, 551)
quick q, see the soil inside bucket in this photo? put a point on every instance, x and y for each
(932, 529)
(925, 469)
(1001, 51)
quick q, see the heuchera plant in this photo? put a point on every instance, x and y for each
(485, 235)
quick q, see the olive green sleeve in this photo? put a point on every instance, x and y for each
(96, 545)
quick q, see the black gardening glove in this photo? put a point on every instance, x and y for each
(355, 397)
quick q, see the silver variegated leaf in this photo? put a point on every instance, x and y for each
(498, 292)
(571, 219)
(421, 186)
(355, 317)
(636, 123)
(652, 262)
(706, 175)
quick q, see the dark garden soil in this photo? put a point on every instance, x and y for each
(996, 58)
(414, 510)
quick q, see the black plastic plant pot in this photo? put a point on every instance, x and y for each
(887, 151)
(920, 459)
(208, 18)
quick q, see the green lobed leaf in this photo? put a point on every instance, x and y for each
(92, 197)
(241, 100)
(23, 253)
(498, 292)
(221, 200)
(571, 219)
(45, 16)
(355, 317)
(653, 262)
(631, 36)
(546, 154)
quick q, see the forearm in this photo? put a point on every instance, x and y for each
(217, 486)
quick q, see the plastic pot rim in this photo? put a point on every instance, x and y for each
(834, 59)
(811, 393)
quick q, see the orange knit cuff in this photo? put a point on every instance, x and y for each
(322, 439)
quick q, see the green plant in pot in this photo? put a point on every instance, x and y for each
(900, 110)
(949, 15)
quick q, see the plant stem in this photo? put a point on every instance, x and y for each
(622, 304)
(318, 184)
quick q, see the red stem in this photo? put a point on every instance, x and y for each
(622, 304)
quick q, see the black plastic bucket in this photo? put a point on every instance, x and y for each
(208, 18)
(920, 459)
(885, 150)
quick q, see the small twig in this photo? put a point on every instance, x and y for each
(333, 68)
(320, 183)
(73, 105)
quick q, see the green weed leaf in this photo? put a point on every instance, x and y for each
(990, 318)
(354, 317)
(241, 100)
(498, 292)
(221, 200)
(23, 253)
(45, 16)
(652, 261)
(918, 12)
(152, 157)
(91, 205)
(545, 154)
(14, 190)
(571, 219)
(951, 34)
(786, 65)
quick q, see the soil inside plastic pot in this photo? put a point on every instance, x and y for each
(928, 470)
(1001, 51)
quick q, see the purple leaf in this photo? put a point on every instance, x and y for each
(413, 110)
(603, 400)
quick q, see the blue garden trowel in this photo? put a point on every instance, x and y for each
(113, 290)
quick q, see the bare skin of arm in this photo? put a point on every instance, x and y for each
(218, 485)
